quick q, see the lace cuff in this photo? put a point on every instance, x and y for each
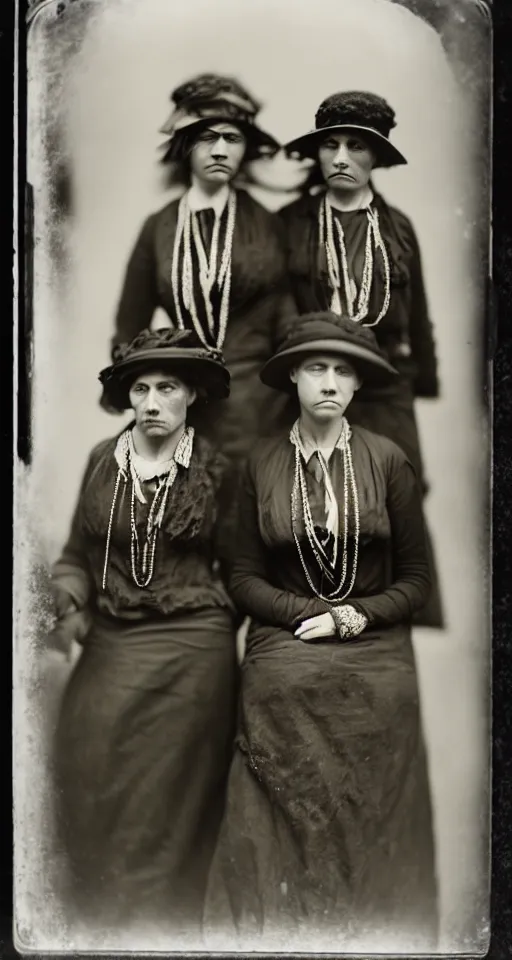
(349, 622)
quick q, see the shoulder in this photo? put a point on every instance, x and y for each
(207, 455)
(400, 220)
(248, 205)
(304, 206)
(267, 453)
(382, 450)
(163, 215)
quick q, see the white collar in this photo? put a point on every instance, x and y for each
(308, 447)
(142, 469)
(199, 200)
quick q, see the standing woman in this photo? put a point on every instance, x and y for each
(214, 259)
(350, 252)
(145, 732)
(327, 842)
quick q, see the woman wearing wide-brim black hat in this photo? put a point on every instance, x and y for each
(146, 724)
(213, 259)
(327, 837)
(349, 251)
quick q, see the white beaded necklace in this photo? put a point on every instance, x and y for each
(301, 510)
(144, 561)
(359, 311)
(188, 235)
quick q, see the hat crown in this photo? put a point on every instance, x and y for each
(163, 339)
(210, 91)
(329, 326)
(357, 108)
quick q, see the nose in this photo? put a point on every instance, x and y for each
(341, 156)
(219, 148)
(152, 404)
(329, 383)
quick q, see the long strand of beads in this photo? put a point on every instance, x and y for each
(299, 499)
(109, 531)
(186, 233)
(176, 262)
(373, 241)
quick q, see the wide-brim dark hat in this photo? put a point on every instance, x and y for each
(178, 352)
(328, 332)
(364, 113)
(212, 98)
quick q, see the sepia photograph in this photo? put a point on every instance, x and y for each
(252, 644)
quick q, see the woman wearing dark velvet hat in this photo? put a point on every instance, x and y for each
(146, 725)
(351, 252)
(214, 259)
(326, 842)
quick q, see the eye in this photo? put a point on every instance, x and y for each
(330, 145)
(233, 138)
(316, 368)
(166, 387)
(356, 145)
(139, 388)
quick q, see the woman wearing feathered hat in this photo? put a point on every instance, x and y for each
(146, 724)
(214, 259)
(349, 251)
(326, 841)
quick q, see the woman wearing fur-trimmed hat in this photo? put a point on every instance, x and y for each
(327, 838)
(146, 724)
(349, 251)
(214, 259)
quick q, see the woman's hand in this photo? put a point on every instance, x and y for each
(316, 628)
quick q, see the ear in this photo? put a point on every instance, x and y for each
(358, 382)
(191, 396)
(293, 374)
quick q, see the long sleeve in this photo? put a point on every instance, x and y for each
(410, 589)
(250, 587)
(70, 574)
(139, 295)
(421, 329)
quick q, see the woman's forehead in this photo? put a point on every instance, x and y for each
(329, 359)
(155, 376)
(342, 136)
(222, 128)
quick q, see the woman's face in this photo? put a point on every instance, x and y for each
(325, 386)
(217, 154)
(160, 402)
(346, 161)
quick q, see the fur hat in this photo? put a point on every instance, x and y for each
(361, 112)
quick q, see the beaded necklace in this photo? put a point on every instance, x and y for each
(188, 237)
(327, 223)
(301, 511)
(143, 560)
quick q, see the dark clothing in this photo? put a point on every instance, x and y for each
(260, 304)
(145, 733)
(327, 836)
(405, 333)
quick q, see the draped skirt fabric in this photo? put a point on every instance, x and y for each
(327, 841)
(142, 752)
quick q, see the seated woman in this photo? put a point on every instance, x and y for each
(146, 726)
(326, 842)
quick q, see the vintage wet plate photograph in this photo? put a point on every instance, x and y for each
(252, 648)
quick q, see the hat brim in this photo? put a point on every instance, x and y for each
(251, 131)
(372, 369)
(203, 373)
(307, 145)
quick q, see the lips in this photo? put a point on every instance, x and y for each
(344, 176)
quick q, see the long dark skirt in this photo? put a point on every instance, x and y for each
(390, 413)
(327, 840)
(142, 753)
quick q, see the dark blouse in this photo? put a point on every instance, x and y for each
(260, 303)
(183, 578)
(405, 332)
(392, 581)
